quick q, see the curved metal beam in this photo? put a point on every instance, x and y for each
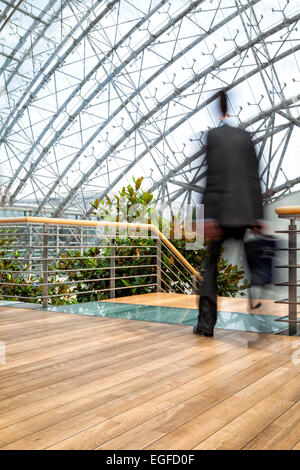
(136, 93)
(29, 31)
(202, 152)
(18, 111)
(282, 187)
(79, 109)
(177, 92)
(141, 130)
(24, 11)
(171, 129)
(256, 141)
(250, 122)
(67, 123)
(15, 7)
(91, 96)
(186, 162)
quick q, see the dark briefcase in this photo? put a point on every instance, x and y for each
(260, 253)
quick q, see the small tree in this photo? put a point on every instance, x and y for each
(230, 278)
(130, 204)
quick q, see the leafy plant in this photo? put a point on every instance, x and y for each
(130, 204)
(230, 278)
(18, 281)
(80, 275)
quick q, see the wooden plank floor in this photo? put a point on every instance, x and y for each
(225, 304)
(76, 382)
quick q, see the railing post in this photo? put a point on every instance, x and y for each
(57, 240)
(158, 264)
(81, 240)
(45, 266)
(194, 285)
(292, 277)
(112, 269)
(30, 251)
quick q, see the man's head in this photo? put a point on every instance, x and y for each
(223, 104)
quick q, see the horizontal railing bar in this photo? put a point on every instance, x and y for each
(104, 224)
(287, 249)
(107, 257)
(63, 235)
(288, 211)
(22, 272)
(134, 230)
(81, 235)
(287, 231)
(77, 257)
(87, 247)
(286, 321)
(72, 222)
(77, 293)
(286, 284)
(74, 235)
(82, 281)
(288, 266)
(77, 270)
(89, 269)
(98, 290)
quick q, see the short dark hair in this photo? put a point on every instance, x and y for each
(223, 102)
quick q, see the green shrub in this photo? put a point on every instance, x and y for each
(90, 271)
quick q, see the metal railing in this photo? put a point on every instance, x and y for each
(292, 213)
(47, 260)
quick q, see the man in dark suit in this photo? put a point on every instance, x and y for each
(232, 203)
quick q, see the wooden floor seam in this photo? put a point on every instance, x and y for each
(77, 382)
(206, 389)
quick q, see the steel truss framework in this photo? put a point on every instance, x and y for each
(94, 92)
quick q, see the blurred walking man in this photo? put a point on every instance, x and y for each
(232, 203)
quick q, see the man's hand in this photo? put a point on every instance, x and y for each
(212, 230)
(258, 228)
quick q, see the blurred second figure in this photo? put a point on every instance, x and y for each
(232, 203)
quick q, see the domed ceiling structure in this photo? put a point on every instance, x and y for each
(94, 92)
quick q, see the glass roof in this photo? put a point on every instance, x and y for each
(95, 92)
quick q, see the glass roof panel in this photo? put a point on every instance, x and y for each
(95, 92)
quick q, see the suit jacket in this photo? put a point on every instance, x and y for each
(233, 194)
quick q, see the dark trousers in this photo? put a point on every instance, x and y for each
(208, 293)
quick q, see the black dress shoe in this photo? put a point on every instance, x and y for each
(197, 331)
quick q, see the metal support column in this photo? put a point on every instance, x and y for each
(81, 241)
(57, 241)
(45, 266)
(30, 251)
(292, 278)
(113, 269)
(158, 264)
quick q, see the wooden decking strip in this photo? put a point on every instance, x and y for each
(76, 382)
(225, 304)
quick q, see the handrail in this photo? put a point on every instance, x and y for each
(288, 211)
(102, 223)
